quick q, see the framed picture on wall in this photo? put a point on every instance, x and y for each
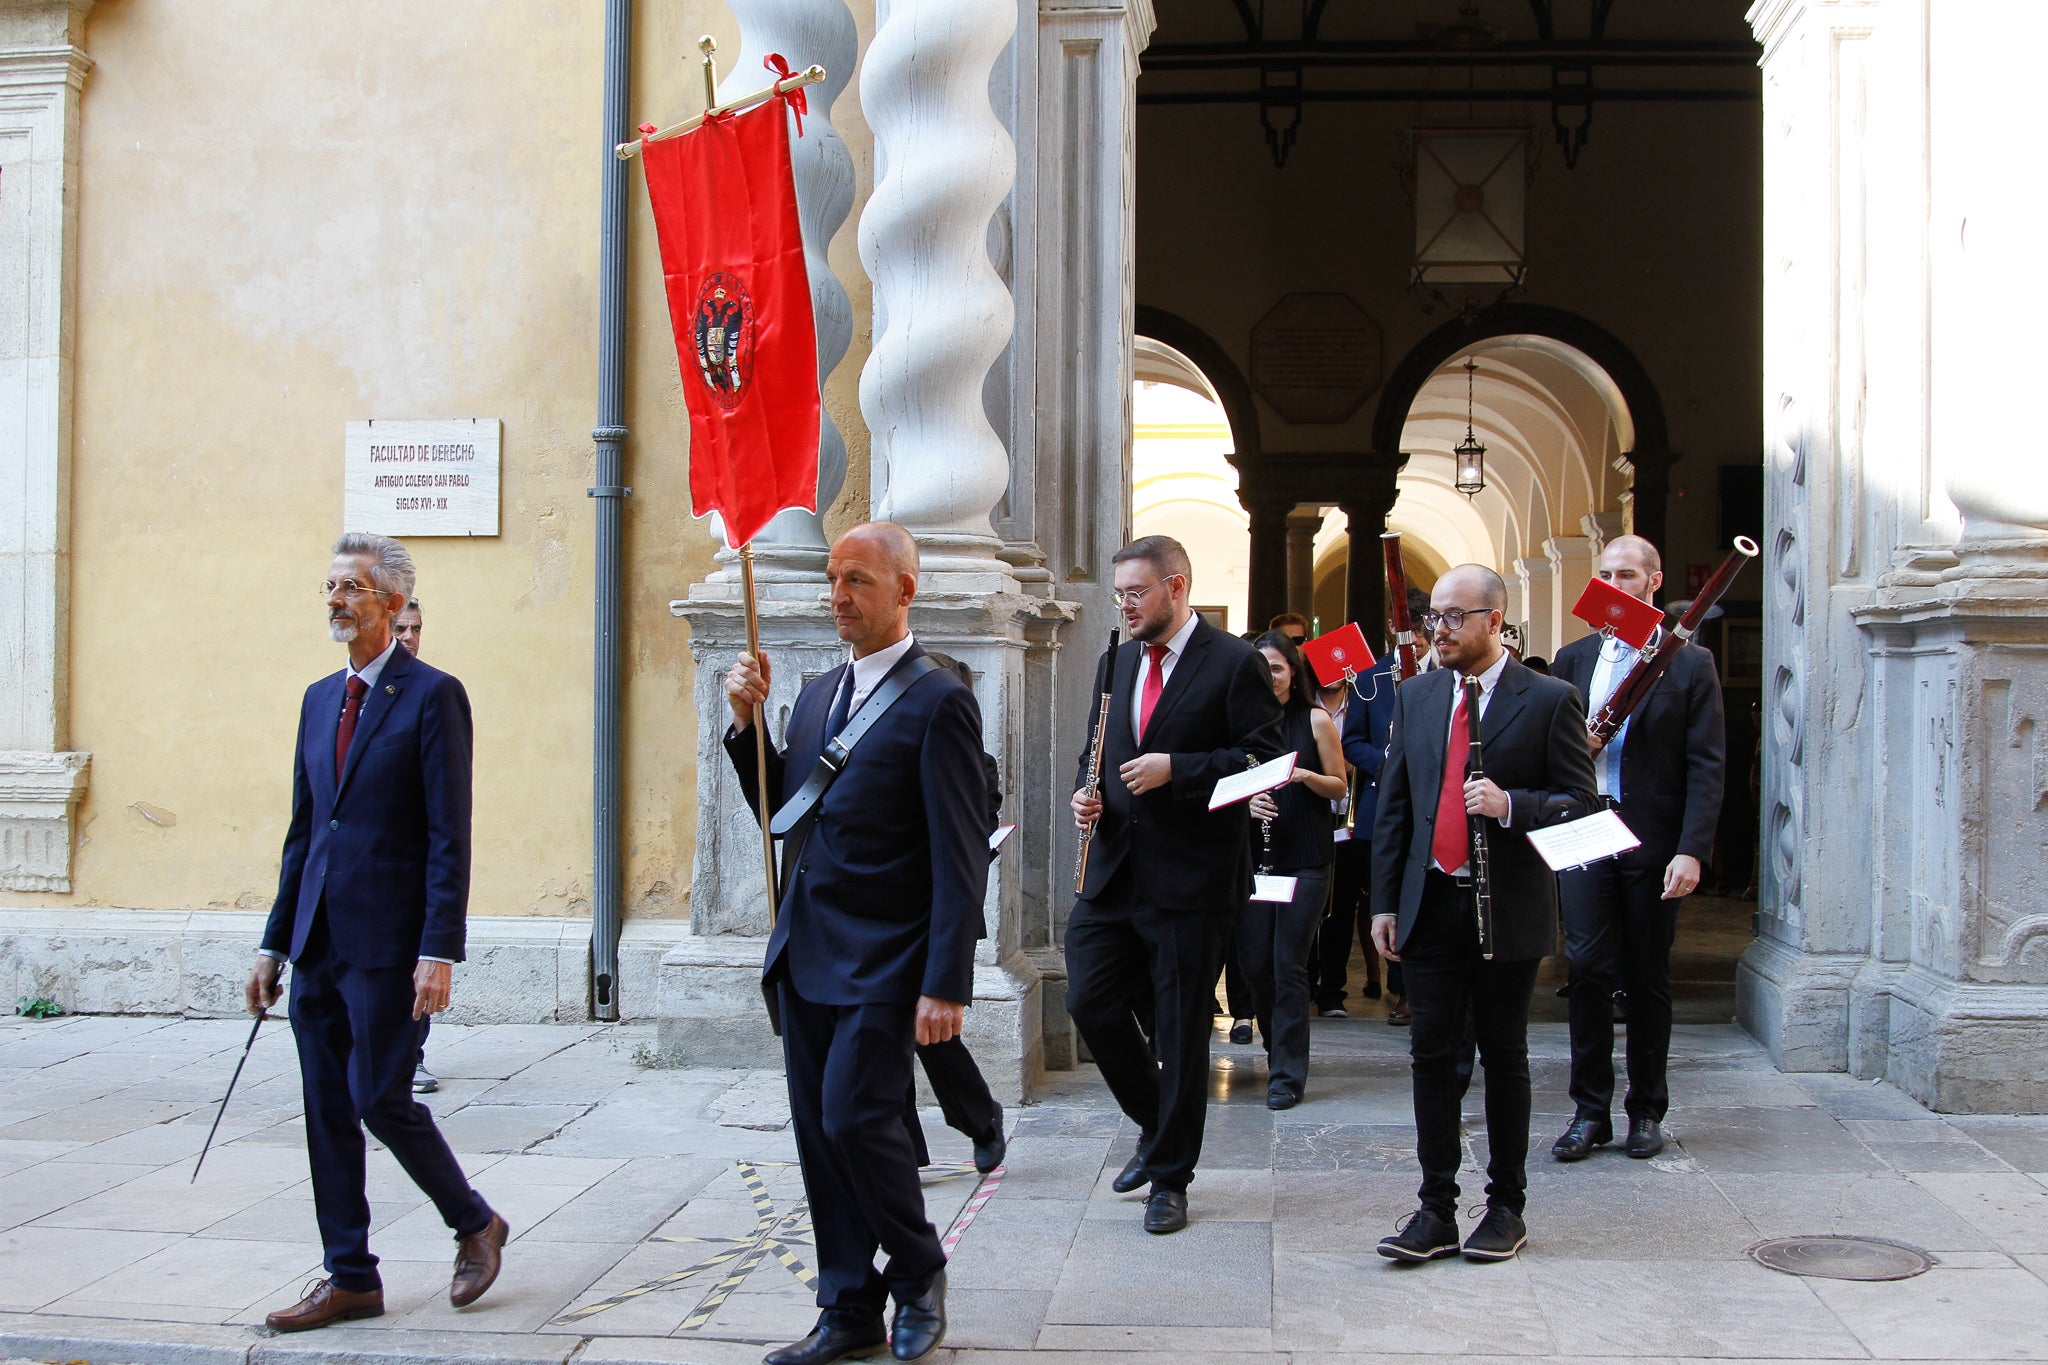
(1218, 617)
(1742, 653)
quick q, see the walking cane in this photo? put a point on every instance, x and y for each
(260, 1017)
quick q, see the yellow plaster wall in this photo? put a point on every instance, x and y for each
(294, 216)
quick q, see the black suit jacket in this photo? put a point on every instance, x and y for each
(385, 847)
(1534, 742)
(1673, 760)
(1217, 716)
(884, 903)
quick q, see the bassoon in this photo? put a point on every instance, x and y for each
(1605, 723)
(1397, 607)
(1482, 865)
(1103, 674)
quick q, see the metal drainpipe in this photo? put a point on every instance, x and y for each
(610, 494)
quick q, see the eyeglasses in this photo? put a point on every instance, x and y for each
(348, 587)
(1454, 619)
(1120, 600)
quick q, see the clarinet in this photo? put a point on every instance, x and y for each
(1482, 873)
(1102, 685)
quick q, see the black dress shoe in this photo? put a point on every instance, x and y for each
(1241, 1032)
(921, 1323)
(1426, 1236)
(1281, 1099)
(1133, 1173)
(1498, 1237)
(990, 1153)
(1581, 1136)
(1645, 1138)
(1166, 1211)
(827, 1344)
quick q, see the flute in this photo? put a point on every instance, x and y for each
(1482, 870)
(1103, 672)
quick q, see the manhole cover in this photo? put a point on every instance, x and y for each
(1842, 1258)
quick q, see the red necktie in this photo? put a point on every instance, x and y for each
(351, 711)
(1155, 682)
(1451, 845)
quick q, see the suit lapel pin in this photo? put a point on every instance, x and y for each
(389, 690)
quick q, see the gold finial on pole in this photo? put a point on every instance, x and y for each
(708, 45)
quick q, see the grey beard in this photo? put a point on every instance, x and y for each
(341, 632)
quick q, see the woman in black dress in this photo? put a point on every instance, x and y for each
(1291, 830)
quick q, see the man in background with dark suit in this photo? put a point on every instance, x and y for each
(1538, 772)
(371, 909)
(1189, 704)
(873, 947)
(1663, 773)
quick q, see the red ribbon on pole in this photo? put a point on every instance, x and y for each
(739, 300)
(799, 102)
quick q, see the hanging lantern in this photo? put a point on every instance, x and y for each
(1470, 454)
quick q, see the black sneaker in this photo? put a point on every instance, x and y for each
(1426, 1236)
(1500, 1234)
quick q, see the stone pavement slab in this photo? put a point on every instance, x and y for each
(658, 1215)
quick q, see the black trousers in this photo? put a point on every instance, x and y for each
(1618, 932)
(1448, 982)
(1238, 997)
(848, 1068)
(1118, 948)
(962, 1093)
(1274, 943)
(1350, 912)
(357, 1041)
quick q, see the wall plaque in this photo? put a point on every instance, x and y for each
(424, 477)
(1316, 357)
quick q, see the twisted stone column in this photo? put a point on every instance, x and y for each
(791, 548)
(943, 165)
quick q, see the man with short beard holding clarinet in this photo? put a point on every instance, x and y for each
(1189, 704)
(1539, 772)
(1620, 915)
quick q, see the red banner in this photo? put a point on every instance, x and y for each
(1604, 606)
(732, 258)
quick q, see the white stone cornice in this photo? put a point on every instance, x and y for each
(43, 66)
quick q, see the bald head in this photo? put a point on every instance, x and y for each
(872, 572)
(1633, 565)
(1477, 585)
(896, 546)
(1638, 549)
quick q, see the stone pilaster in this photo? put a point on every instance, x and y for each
(1537, 579)
(42, 72)
(1571, 564)
(791, 549)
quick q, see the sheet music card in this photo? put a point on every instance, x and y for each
(1279, 890)
(1579, 842)
(1249, 783)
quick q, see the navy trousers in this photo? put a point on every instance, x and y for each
(357, 1043)
(849, 1069)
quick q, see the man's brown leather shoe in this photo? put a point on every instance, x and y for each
(476, 1262)
(324, 1304)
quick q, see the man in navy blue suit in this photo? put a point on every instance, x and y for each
(370, 911)
(872, 952)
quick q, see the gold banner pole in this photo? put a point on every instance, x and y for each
(760, 731)
(810, 75)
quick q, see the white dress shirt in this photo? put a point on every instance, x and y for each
(869, 671)
(1174, 648)
(1617, 657)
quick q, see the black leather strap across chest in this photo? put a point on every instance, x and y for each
(839, 749)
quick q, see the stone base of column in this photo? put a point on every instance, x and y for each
(711, 1012)
(1796, 1004)
(1956, 1048)
(39, 796)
